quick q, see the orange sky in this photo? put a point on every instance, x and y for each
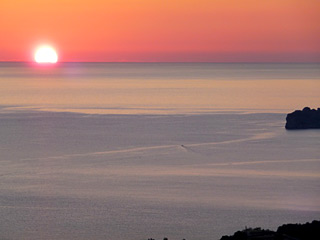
(162, 30)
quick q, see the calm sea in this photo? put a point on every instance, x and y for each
(152, 150)
(159, 87)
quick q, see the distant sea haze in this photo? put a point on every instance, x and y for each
(127, 151)
(165, 88)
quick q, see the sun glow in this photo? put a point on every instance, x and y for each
(45, 54)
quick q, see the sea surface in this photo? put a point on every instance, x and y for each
(131, 151)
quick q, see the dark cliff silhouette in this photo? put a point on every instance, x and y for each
(307, 231)
(305, 119)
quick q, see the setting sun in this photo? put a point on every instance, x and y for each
(46, 54)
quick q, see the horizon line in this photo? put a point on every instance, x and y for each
(224, 62)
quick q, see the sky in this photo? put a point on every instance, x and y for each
(162, 30)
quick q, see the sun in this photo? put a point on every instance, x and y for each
(46, 54)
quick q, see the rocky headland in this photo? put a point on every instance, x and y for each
(296, 231)
(307, 231)
(305, 119)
